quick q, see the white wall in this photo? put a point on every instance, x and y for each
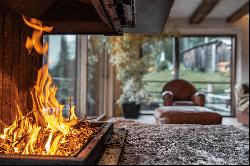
(243, 52)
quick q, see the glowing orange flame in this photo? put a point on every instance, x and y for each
(44, 130)
(36, 36)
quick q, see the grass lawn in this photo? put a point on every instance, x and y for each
(166, 75)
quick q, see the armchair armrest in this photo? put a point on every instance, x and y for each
(168, 98)
(199, 99)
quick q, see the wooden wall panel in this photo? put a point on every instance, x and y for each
(29, 72)
(1, 71)
(7, 59)
(17, 68)
(22, 73)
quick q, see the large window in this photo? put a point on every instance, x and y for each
(162, 71)
(205, 61)
(78, 65)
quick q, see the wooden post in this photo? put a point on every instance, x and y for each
(176, 58)
(213, 58)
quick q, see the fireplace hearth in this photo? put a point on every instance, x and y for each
(90, 153)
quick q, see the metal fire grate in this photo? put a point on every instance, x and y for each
(90, 153)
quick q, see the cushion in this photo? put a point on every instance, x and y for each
(187, 115)
(184, 103)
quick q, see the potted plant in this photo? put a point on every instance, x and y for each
(130, 68)
(133, 94)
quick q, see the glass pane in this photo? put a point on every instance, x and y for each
(62, 66)
(95, 70)
(206, 61)
(66, 59)
(162, 52)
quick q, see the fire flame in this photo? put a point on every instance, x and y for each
(44, 131)
(36, 36)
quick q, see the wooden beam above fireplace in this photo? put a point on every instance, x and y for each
(74, 16)
(70, 27)
(238, 14)
(202, 11)
(107, 12)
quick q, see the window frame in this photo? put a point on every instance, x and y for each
(233, 62)
(176, 62)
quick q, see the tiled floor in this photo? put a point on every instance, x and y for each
(234, 122)
(226, 121)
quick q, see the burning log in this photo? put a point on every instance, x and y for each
(40, 141)
(88, 154)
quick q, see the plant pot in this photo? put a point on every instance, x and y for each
(131, 110)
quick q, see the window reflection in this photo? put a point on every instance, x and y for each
(62, 62)
(76, 61)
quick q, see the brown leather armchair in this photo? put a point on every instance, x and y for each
(182, 93)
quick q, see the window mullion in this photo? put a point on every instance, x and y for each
(176, 57)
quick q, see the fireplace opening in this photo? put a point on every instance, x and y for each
(43, 135)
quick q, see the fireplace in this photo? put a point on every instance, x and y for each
(33, 127)
(90, 153)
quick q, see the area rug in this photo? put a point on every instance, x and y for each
(183, 144)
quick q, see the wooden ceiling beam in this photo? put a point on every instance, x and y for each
(202, 11)
(244, 10)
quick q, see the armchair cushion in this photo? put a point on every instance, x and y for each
(187, 115)
(183, 103)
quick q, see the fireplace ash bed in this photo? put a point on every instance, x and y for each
(88, 154)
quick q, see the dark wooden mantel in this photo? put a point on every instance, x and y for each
(74, 16)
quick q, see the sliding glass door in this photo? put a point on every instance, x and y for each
(206, 61)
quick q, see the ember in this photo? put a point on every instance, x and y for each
(68, 145)
(44, 130)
